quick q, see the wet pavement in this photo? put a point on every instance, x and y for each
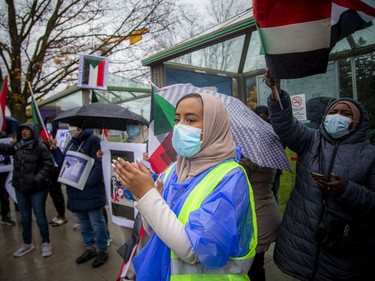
(67, 246)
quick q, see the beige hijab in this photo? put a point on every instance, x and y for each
(217, 144)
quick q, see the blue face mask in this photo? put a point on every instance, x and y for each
(49, 127)
(186, 140)
(337, 125)
(132, 130)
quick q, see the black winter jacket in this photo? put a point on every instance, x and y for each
(297, 251)
(33, 164)
(93, 194)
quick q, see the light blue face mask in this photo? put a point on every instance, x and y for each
(186, 140)
(49, 127)
(132, 130)
(337, 125)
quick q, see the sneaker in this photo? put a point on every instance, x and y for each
(87, 255)
(46, 249)
(7, 221)
(100, 259)
(57, 221)
(25, 248)
(76, 226)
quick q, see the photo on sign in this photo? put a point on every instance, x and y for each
(6, 161)
(122, 200)
(75, 169)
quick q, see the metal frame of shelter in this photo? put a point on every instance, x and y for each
(200, 61)
(130, 94)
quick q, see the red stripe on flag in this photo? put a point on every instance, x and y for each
(3, 97)
(272, 13)
(163, 156)
(100, 77)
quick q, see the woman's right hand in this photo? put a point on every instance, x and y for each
(271, 82)
(135, 176)
(52, 143)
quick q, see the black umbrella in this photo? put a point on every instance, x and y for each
(100, 115)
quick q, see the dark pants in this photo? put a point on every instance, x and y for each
(257, 272)
(4, 196)
(57, 195)
(93, 228)
(37, 203)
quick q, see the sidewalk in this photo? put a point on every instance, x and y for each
(67, 246)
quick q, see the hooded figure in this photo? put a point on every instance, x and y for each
(32, 169)
(33, 164)
(328, 228)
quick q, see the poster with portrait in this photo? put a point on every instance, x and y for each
(75, 169)
(6, 161)
(9, 187)
(120, 200)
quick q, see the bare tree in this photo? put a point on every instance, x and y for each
(41, 40)
(221, 55)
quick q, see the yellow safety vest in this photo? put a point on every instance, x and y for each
(236, 268)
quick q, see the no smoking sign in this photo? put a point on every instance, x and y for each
(299, 106)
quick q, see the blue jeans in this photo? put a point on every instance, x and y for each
(93, 228)
(37, 203)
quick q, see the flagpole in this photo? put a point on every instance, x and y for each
(277, 95)
(153, 85)
(38, 112)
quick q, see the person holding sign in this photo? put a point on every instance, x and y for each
(328, 228)
(81, 171)
(203, 225)
(32, 169)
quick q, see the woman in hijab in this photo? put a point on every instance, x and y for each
(201, 215)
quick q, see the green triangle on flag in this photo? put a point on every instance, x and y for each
(164, 115)
(93, 61)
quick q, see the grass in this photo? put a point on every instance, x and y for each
(287, 182)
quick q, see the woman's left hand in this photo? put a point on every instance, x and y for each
(134, 176)
(334, 187)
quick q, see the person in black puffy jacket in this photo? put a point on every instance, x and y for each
(32, 168)
(328, 228)
(86, 202)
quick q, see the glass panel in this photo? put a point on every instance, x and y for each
(254, 61)
(365, 69)
(361, 38)
(246, 15)
(318, 89)
(68, 102)
(224, 56)
(251, 92)
(345, 76)
(221, 84)
(140, 106)
(115, 80)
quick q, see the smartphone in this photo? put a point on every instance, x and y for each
(318, 176)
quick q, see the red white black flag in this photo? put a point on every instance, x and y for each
(296, 35)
